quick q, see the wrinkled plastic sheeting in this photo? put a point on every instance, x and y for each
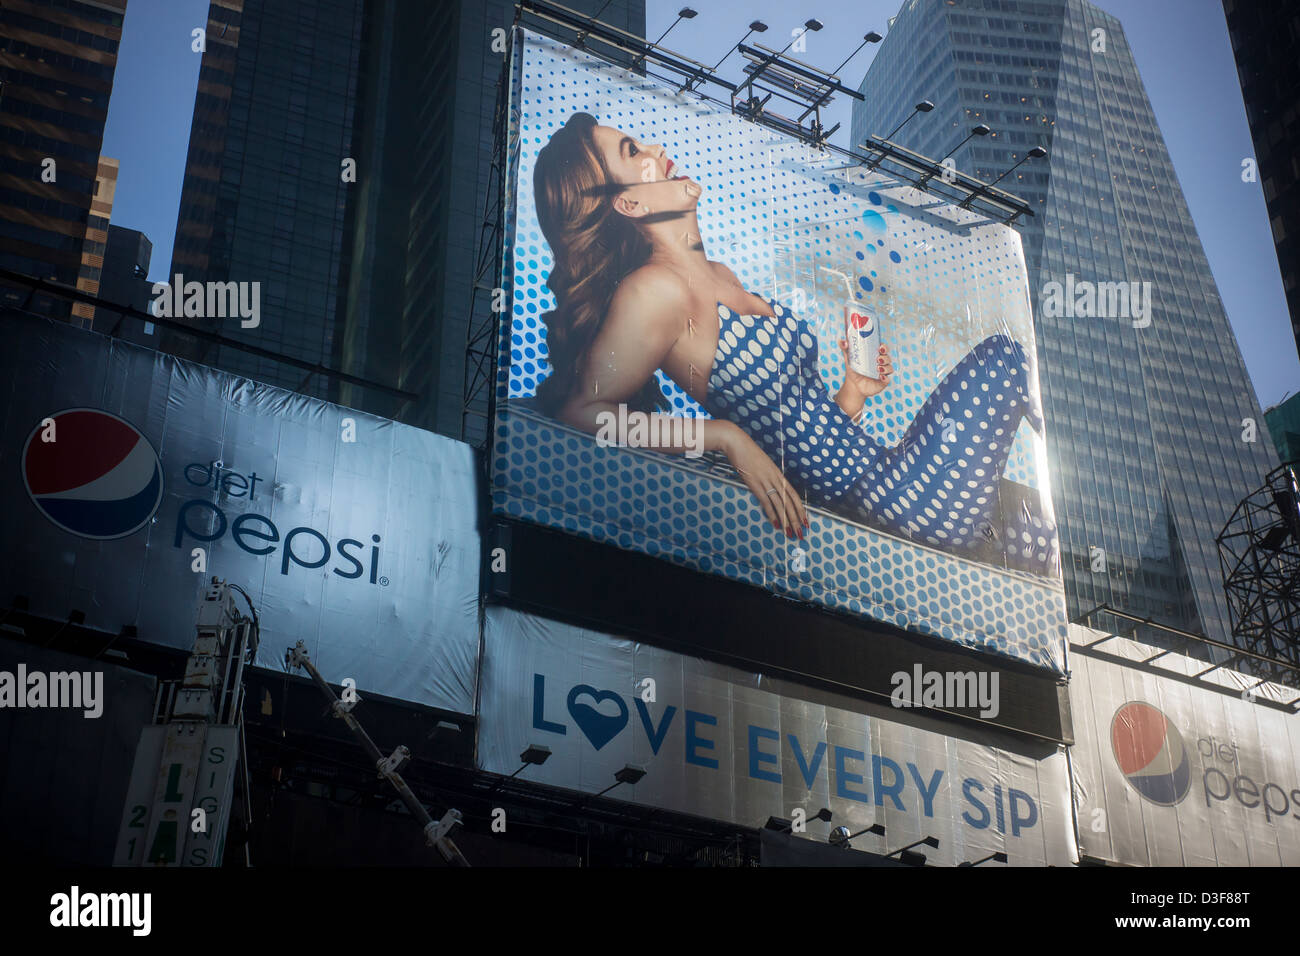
(739, 747)
(412, 634)
(1172, 773)
(940, 532)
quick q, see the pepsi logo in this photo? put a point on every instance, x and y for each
(1150, 752)
(862, 324)
(100, 478)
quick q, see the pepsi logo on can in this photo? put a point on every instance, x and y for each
(99, 478)
(1151, 754)
(862, 323)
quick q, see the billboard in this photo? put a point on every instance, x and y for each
(726, 349)
(1172, 772)
(131, 478)
(739, 747)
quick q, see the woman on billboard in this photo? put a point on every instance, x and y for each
(635, 292)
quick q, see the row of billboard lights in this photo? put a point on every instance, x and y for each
(948, 173)
(537, 754)
(348, 173)
(757, 26)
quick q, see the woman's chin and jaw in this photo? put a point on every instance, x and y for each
(659, 199)
(654, 186)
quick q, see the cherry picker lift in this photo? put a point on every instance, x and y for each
(179, 799)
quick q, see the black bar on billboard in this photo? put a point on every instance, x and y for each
(68, 292)
(582, 582)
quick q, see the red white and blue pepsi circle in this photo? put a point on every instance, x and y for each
(1150, 753)
(100, 478)
(864, 323)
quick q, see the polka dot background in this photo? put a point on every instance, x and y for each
(794, 226)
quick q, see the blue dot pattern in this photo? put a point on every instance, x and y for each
(943, 282)
(939, 485)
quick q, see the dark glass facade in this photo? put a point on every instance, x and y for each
(1266, 43)
(1284, 426)
(1154, 433)
(57, 59)
(372, 277)
(263, 199)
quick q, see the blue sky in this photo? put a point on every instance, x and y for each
(1181, 47)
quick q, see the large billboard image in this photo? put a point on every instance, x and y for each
(588, 435)
(727, 349)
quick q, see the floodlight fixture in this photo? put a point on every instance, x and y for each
(998, 857)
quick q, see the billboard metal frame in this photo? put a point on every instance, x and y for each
(76, 295)
(1188, 643)
(481, 345)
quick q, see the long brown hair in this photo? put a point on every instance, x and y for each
(595, 248)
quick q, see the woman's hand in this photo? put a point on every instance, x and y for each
(864, 385)
(857, 388)
(779, 501)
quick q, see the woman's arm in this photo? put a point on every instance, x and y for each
(643, 324)
(645, 319)
(856, 388)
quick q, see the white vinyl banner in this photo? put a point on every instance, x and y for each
(1172, 773)
(739, 747)
(132, 477)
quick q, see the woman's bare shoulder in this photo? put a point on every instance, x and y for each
(724, 273)
(650, 294)
(652, 278)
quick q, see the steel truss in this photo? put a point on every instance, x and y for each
(1259, 555)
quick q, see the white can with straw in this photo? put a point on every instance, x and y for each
(862, 329)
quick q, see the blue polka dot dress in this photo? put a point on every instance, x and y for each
(941, 485)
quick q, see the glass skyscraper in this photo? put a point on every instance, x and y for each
(1266, 43)
(372, 277)
(57, 59)
(1154, 431)
(263, 199)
